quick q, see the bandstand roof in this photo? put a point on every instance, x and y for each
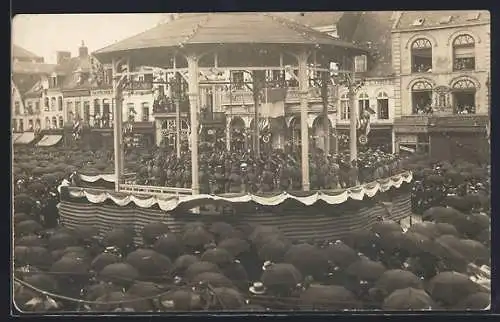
(224, 28)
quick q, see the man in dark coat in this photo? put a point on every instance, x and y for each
(267, 179)
(235, 180)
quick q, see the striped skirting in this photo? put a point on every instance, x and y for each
(297, 224)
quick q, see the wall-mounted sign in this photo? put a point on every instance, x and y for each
(102, 92)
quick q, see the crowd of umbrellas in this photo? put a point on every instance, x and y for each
(431, 266)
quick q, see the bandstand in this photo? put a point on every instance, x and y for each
(262, 50)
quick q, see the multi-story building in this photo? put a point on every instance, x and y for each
(371, 30)
(29, 81)
(442, 64)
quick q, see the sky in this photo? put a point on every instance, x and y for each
(44, 34)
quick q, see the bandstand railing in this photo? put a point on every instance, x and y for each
(154, 190)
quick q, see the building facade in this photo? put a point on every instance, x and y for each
(442, 61)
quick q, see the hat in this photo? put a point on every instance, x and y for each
(266, 265)
(257, 288)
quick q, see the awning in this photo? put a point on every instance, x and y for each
(49, 140)
(25, 138)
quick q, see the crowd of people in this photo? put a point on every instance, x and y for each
(222, 171)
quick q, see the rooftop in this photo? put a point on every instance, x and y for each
(440, 18)
(20, 52)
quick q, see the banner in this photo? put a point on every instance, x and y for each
(274, 102)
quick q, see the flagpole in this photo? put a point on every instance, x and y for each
(353, 140)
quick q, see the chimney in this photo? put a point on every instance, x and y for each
(63, 56)
(83, 51)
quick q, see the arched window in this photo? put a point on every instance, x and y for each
(464, 96)
(53, 104)
(54, 122)
(30, 125)
(46, 104)
(131, 113)
(21, 125)
(463, 53)
(344, 107)
(47, 123)
(421, 56)
(86, 112)
(14, 125)
(38, 124)
(363, 103)
(59, 103)
(97, 107)
(383, 106)
(421, 93)
(61, 122)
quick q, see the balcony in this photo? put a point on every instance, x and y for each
(241, 97)
(167, 107)
(216, 118)
(138, 86)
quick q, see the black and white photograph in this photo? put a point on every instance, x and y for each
(251, 162)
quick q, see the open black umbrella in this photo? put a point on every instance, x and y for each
(281, 275)
(261, 232)
(27, 227)
(104, 259)
(43, 282)
(149, 263)
(484, 237)
(225, 298)
(143, 290)
(212, 279)
(426, 228)
(414, 243)
(331, 298)
(476, 301)
(340, 254)
(218, 256)
(86, 233)
(449, 288)
(152, 231)
(106, 302)
(364, 241)
(33, 255)
(94, 291)
(440, 214)
(29, 240)
(474, 251)
(308, 259)
(393, 280)
(365, 269)
(200, 267)
(221, 230)
(181, 300)
(447, 229)
(273, 251)
(183, 262)
(408, 299)
(169, 245)
(193, 225)
(235, 246)
(119, 237)
(61, 240)
(237, 273)
(119, 273)
(196, 238)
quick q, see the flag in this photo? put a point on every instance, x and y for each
(263, 124)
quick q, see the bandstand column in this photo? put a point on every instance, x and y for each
(117, 128)
(177, 127)
(193, 87)
(304, 127)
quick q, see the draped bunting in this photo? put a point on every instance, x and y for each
(169, 203)
(94, 178)
(298, 224)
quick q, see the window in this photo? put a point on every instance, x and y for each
(14, 125)
(131, 111)
(463, 53)
(97, 107)
(47, 123)
(421, 97)
(360, 63)
(238, 79)
(37, 107)
(86, 112)
(383, 106)
(54, 122)
(46, 104)
(363, 103)
(53, 81)
(21, 126)
(53, 104)
(30, 108)
(145, 112)
(78, 112)
(17, 108)
(344, 107)
(59, 104)
(38, 124)
(464, 97)
(421, 56)
(30, 125)
(61, 122)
